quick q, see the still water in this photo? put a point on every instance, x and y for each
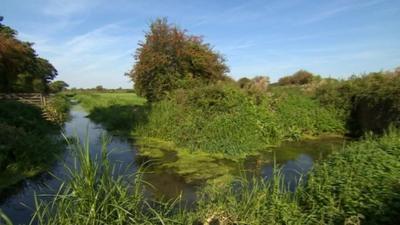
(295, 159)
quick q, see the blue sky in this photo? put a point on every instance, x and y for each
(92, 42)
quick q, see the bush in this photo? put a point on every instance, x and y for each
(26, 145)
(360, 182)
(223, 118)
(299, 78)
(369, 102)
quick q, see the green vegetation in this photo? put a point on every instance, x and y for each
(95, 194)
(358, 185)
(27, 145)
(225, 119)
(169, 58)
(118, 112)
(369, 102)
(58, 86)
(57, 108)
(27, 141)
(301, 77)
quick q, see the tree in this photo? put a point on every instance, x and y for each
(242, 82)
(21, 69)
(299, 78)
(99, 88)
(58, 86)
(169, 57)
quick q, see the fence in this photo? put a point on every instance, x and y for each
(30, 98)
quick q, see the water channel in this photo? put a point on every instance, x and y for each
(295, 159)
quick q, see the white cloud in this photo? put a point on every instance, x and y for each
(100, 56)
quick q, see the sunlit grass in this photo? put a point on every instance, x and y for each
(91, 100)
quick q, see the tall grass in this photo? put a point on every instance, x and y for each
(358, 185)
(95, 193)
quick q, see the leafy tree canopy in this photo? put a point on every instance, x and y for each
(299, 78)
(21, 70)
(58, 86)
(169, 57)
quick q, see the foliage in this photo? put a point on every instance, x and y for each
(299, 78)
(222, 118)
(118, 112)
(168, 57)
(58, 86)
(26, 145)
(370, 102)
(57, 108)
(242, 82)
(21, 70)
(360, 182)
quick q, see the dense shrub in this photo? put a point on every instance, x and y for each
(369, 102)
(25, 139)
(214, 118)
(360, 182)
(168, 57)
(224, 118)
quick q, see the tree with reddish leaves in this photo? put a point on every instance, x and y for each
(299, 78)
(21, 70)
(169, 58)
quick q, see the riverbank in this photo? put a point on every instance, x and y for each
(29, 143)
(348, 187)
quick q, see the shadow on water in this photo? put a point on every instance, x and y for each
(295, 158)
(121, 119)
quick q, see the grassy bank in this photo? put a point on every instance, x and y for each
(117, 112)
(28, 142)
(225, 119)
(358, 185)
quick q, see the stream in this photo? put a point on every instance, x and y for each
(294, 158)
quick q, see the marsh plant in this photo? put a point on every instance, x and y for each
(357, 185)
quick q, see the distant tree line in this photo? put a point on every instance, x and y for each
(21, 69)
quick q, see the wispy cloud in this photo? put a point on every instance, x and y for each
(92, 56)
(67, 7)
(337, 9)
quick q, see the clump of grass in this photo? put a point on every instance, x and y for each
(95, 193)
